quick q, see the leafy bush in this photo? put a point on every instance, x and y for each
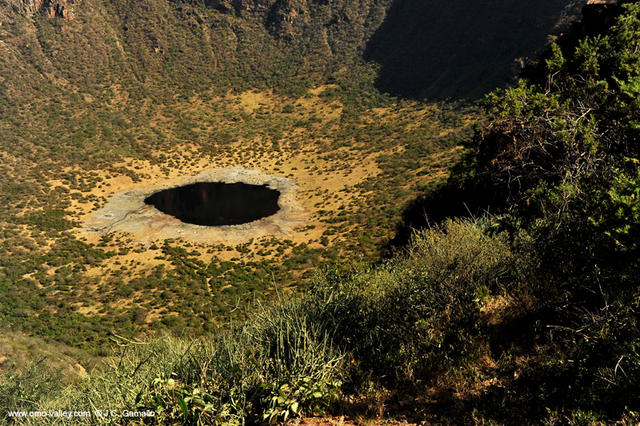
(274, 366)
(560, 152)
(409, 318)
(620, 218)
(418, 314)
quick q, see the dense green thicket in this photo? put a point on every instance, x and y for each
(560, 157)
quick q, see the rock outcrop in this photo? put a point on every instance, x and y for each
(53, 9)
(598, 15)
(288, 18)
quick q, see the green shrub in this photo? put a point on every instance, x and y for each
(416, 314)
(275, 365)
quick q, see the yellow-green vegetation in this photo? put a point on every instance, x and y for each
(417, 314)
(110, 98)
(116, 284)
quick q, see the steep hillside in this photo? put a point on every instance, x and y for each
(460, 49)
(81, 45)
(183, 44)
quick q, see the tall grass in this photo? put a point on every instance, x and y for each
(413, 315)
(417, 312)
(276, 364)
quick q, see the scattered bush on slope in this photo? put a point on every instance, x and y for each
(415, 315)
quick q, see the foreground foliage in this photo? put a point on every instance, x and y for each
(413, 316)
(561, 157)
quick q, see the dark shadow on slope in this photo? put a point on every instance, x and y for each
(448, 201)
(458, 49)
(431, 209)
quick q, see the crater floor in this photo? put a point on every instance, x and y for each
(127, 211)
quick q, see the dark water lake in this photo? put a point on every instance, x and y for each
(216, 203)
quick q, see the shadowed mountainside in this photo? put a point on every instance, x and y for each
(424, 49)
(459, 48)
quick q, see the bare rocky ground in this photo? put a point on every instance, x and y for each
(127, 212)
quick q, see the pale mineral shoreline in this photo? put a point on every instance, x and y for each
(126, 212)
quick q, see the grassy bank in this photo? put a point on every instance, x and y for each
(417, 315)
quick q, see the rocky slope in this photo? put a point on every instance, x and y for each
(420, 48)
